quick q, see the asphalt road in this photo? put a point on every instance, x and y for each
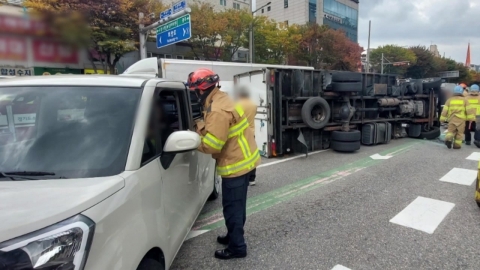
(331, 210)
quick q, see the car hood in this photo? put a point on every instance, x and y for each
(26, 206)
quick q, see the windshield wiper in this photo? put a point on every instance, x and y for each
(27, 175)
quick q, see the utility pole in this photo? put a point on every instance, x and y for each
(368, 49)
(382, 64)
(143, 49)
(250, 38)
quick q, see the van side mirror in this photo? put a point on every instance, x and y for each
(178, 142)
(181, 141)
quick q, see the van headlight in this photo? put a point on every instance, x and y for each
(63, 246)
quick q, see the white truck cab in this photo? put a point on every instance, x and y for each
(98, 172)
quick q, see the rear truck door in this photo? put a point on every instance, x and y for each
(256, 82)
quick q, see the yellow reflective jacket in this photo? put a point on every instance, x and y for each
(225, 135)
(474, 101)
(250, 110)
(457, 110)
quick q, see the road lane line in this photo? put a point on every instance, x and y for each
(214, 219)
(460, 176)
(340, 267)
(290, 158)
(193, 234)
(474, 156)
(423, 214)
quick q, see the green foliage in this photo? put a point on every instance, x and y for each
(392, 53)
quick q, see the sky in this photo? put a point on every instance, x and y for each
(450, 24)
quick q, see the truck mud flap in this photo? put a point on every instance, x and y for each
(376, 133)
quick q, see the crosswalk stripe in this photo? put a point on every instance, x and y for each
(460, 176)
(340, 267)
(474, 156)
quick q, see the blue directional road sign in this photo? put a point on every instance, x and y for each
(166, 13)
(179, 6)
(175, 31)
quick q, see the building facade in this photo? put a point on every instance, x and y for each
(220, 5)
(338, 14)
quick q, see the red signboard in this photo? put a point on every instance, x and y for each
(47, 51)
(13, 48)
(22, 25)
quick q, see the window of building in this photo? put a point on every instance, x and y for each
(263, 10)
(179, 56)
(223, 3)
(168, 56)
(236, 5)
(269, 8)
(341, 13)
(286, 23)
(285, 3)
(312, 11)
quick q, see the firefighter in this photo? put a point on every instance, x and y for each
(456, 111)
(250, 109)
(474, 101)
(226, 136)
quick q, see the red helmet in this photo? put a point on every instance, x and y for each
(463, 85)
(202, 79)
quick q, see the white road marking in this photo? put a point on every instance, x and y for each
(474, 156)
(340, 267)
(423, 214)
(378, 156)
(193, 234)
(288, 159)
(460, 176)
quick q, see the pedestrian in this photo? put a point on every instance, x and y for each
(456, 111)
(225, 135)
(250, 109)
(465, 89)
(474, 101)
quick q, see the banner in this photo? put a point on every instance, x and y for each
(92, 71)
(13, 48)
(15, 71)
(55, 71)
(47, 51)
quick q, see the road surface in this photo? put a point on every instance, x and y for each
(405, 205)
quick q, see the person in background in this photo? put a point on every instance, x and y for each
(456, 111)
(227, 137)
(474, 100)
(250, 109)
(465, 89)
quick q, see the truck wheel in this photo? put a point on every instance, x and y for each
(345, 146)
(347, 86)
(430, 135)
(316, 112)
(216, 186)
(150, 264)
(346, 136)
(346, 77)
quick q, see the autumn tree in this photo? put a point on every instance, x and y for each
(107, 28)
(392, 53)
(236, 31)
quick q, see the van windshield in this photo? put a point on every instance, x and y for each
(74, 132)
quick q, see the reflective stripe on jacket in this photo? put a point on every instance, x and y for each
(457, 109)
(474, 101)
(250, 110)
(227, 137)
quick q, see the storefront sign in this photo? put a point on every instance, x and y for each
(92, 71)
(22, 25)
(53, 52)
(13, 48)
(333, 18)
(56, 71)
(15, 71)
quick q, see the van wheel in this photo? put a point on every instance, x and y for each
(316, 112)
(151, 264)
(216, 186)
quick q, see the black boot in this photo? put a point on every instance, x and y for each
(223, 240)
(448, 144)
(468, 143)
(225, 254)
(477, 143)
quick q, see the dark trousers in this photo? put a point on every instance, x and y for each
(468, 131)
(234, 200)
(253, 175)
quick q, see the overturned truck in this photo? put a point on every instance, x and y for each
(308, 110)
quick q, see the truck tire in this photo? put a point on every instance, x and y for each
(430, 135)
(345, 146)
(316, 112)
(346, 136)
(346, 77)
(347, 86)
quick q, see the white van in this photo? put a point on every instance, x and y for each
(105, 175)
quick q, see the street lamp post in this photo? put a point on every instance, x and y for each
(401, 63)
(250, 43)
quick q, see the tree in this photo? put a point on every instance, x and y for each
(392, 53)
(208, 27)
(425, 66)
(107, 28)
(236, 31)
(322, 47)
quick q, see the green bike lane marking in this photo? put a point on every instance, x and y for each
(214, 219)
